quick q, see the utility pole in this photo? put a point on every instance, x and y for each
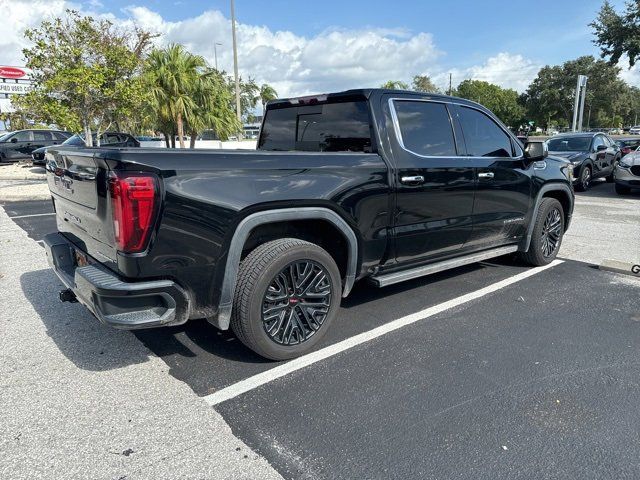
(215, 52)
(578, 106)
(450, 84)
(235, 65)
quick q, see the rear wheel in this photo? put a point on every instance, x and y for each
(622, 190)
(287, 295)
(585, 179)
(547, 233)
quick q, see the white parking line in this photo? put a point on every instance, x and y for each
(33, 215)
(263, 378)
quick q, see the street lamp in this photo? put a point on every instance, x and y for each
(235, 63)
(215, 52)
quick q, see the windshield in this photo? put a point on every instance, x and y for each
(5, 137)
(569, 144)
(75, 140)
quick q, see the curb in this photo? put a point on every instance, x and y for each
(617, 266)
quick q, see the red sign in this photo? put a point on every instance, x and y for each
(12, 72)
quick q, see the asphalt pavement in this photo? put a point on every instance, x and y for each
(492, 371)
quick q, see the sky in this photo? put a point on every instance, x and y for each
(306, 47)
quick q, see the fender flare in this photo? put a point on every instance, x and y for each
(242, 232)
(550, 187)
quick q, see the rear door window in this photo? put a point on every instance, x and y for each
(425, 128)
(41, 136)
(483, 136)
(329, 127)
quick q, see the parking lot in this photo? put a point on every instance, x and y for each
(489, 371)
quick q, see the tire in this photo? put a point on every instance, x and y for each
(585, 179)
(622, 190)
(291, 329)
(549, 212)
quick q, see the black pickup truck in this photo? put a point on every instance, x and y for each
(372, 184)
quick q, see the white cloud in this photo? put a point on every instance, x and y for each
(504, 69)
(629, 75)
(335, 59)
(296, 65)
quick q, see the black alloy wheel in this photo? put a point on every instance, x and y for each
(287, 295)
(551, 233)
(585, 179)
(297, 302)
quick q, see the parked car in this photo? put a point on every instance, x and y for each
(267, 242)
(628, 145)
(593, 155)
(634, 130)
(107, 139)
(627, 173)
(21, 143)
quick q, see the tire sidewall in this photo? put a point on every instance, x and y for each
(265, 345)
(547, 205)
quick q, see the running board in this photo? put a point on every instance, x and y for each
(397, 277)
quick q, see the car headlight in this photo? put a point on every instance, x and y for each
(569, 172)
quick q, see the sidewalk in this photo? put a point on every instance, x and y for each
(81, 400)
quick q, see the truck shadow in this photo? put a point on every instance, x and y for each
(197, 345)
(79, 336)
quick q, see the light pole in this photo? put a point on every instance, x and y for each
(215, 52)
(578, 108)
(235, 65)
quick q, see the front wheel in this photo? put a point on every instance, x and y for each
(287, 295)
(585, 179)
(548, 231)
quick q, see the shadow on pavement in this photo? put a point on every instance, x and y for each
(602, 189)
(79, 336)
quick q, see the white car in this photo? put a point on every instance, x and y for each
(635, 130)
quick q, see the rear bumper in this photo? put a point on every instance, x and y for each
(121, 304)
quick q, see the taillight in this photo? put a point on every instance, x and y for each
(133, 207)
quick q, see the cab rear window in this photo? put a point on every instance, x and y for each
(329, 127)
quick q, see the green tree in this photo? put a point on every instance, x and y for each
(618, 34)
(211, 109)
(86, 72)
(423, 83)
(267, 93)
(550, 97)
(187, 96)
(172, 75)
(503, 102)
(395, 85)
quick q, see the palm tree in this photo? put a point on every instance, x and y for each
(267, 92)
(211, 99)
(172, 75)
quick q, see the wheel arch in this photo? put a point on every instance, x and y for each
(560, 192)
(243, 232)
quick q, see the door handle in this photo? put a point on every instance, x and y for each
(485, 175)
(412, 180)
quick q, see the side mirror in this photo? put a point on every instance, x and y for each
(536, 151)
(600, 148)
(14, 140)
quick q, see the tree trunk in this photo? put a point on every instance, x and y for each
(166, 139)
(180, 130)
(88, 139)
(192, 141)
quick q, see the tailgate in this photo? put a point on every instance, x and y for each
(78, 184)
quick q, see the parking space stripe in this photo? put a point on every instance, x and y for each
(280, 371)
(32, 215)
